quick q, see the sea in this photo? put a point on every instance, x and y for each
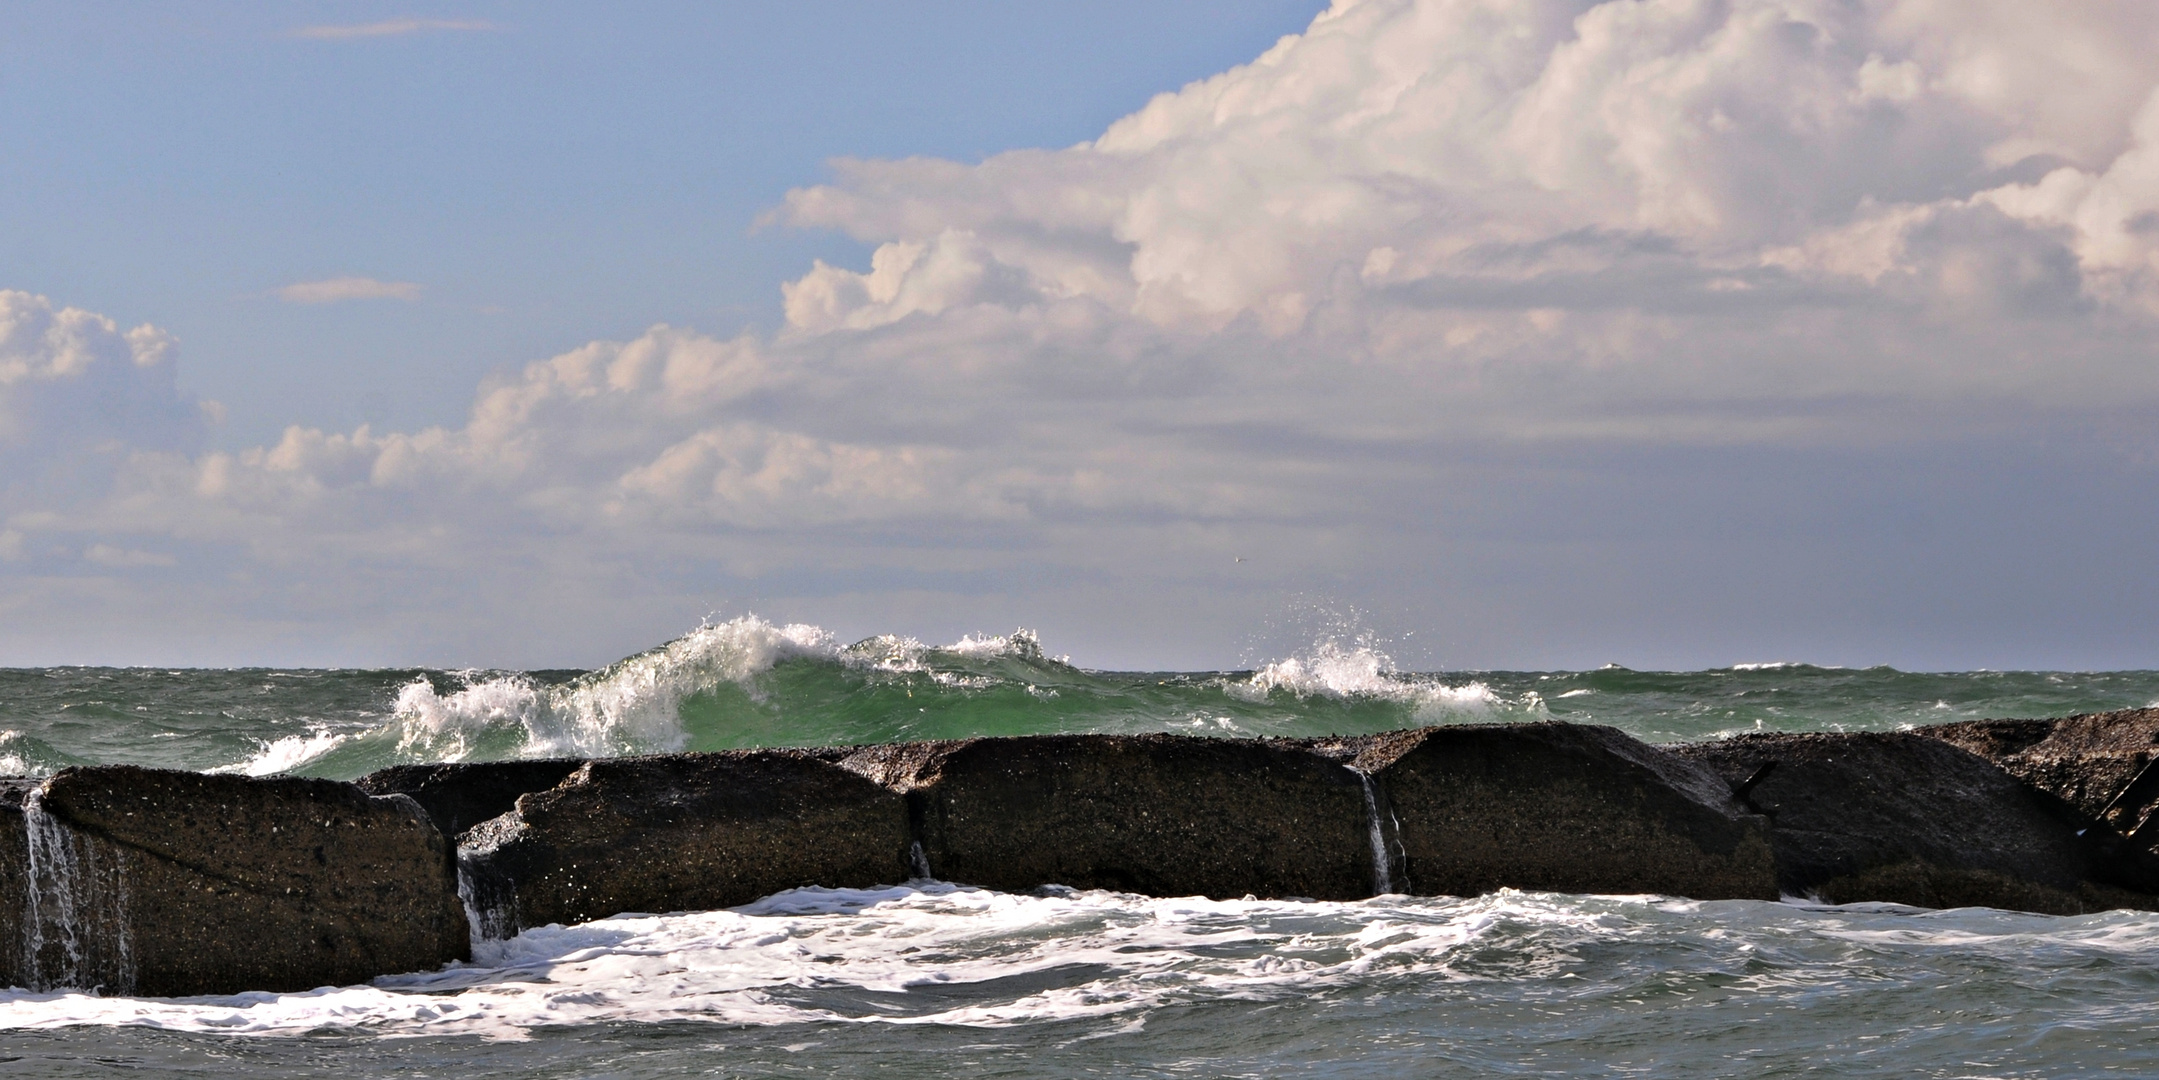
(927, 978)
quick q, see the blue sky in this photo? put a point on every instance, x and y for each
(549, 175)
(1518, 333)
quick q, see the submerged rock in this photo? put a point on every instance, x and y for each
(683, 832)
(1911, 819)
(1164, 815)
(166, 883)
(459, 795)
(1559, 807)
(2089, 760)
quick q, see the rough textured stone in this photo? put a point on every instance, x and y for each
(2086, 759)
(685, 832)
(1911, 819)
(1157, 814)
(1559, 807)
(14, 882)
(459, 795)
(180, 883)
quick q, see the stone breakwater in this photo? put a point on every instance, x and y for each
(128, 880)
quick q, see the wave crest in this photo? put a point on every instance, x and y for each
(630, 706)
(1360, 670)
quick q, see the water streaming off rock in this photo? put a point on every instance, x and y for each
(1382, 858)
(74, 917)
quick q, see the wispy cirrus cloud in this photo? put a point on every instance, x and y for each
(389, 28)
(333, 290)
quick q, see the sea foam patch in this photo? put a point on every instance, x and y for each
(940, 954)
(925, 953)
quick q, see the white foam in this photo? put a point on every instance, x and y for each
(763, 964)
(1019, 644)
(933, 953)
(633, 706)
(1362, 671)
(12, 763)
(286, 754)
(906, 655)
(628, 707)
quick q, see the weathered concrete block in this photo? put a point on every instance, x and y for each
(2087, 759)
(174, 883)
(684, 832)
(1560, 807)
(1911, 819)
(1163, 815)
(459, 795)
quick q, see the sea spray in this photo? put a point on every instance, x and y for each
(75, 920)
(631, 706)
(1360, 671)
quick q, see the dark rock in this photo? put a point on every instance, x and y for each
(685, 832)
(1163, 815)
(174, 883)
(1559, 807)
(14, 877)
(459, 795)
(1911, 819)
(2087, 759)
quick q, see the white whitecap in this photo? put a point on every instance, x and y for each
(630, 706)
(286, 754)
(1361, 670)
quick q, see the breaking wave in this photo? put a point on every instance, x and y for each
(749, 682)
(1361, 670)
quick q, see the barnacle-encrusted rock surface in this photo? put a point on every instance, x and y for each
(1907, 818)
(2087, 759)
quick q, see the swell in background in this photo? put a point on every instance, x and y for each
(747, 682)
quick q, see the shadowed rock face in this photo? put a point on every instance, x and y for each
(14, 878)
(1163, 815)
(459, 795)
(1560, 807)
(686, 832)
(173, 883)
(1906, 818)
(2086, 759)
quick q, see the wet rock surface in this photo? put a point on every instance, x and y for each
(684, 832)
(2088, 759)
(175, 883)
(14, 877)
(1164, 815)
(459, 795)
(1912, 819)
(1560, 807)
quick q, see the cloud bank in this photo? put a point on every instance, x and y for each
(1408, 296)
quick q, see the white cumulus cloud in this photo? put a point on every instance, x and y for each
(72, 379)
(1433, 291)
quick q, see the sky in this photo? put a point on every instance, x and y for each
(1510, 333)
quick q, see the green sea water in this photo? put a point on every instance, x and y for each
(749, 683)
(929, 979)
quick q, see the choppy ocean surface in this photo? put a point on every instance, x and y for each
(927, 978)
